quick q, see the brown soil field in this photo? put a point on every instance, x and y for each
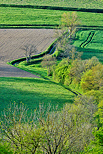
(11, 42)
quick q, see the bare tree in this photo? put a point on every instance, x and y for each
(29, 50)
(19, 130)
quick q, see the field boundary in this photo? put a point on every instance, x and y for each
(47, 51)
(54, 8)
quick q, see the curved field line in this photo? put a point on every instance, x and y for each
(88, 40)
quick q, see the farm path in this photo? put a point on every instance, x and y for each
(11, 42)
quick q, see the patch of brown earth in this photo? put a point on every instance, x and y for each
(11, 41)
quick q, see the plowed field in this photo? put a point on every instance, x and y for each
(11, 42)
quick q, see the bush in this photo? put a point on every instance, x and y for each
(4, 149)
(61, 71)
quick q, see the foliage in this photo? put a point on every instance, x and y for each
(49, 61)
(79, 67)
(61, 71)
(4, 149)
(19, 129)
(69, 21)
(48, 130)
(66, 33)
(96, 145)
(93, 79)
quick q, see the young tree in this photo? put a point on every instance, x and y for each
(67, 30)
(49, 61)
(29, 49)
(70, 22)
(19, 129)
(93, 78)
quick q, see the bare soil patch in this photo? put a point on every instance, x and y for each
(11, 41)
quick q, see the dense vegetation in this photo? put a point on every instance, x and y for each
(76, 125)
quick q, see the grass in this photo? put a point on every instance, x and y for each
(70, 3)
(34, 68)
(29, 17)
(32, 92)
(90, 42)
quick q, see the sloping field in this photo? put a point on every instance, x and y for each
(90, 42)
(11, 41)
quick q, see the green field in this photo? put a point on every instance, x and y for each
(32, 92)
(69, 3)
(28, 16)
(90, 42)
(19, 17)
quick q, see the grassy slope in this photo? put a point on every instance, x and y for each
(70, 3)
(28, 16)
(91, 46)
(32, 92)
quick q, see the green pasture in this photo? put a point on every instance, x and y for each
(70, 3)
(19, 17)
(28, 16)
(90, 42)
(32, 92)
(34, 68)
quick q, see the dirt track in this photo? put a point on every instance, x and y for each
(11, 41)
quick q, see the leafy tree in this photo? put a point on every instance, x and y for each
(79, 67)
(93, 78)
(49, 61)
(61, 71)
(96, 145)
(66, 31)
(69, 130)
(70, 21)
(66, 131)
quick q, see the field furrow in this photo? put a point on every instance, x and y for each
(12, 40)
